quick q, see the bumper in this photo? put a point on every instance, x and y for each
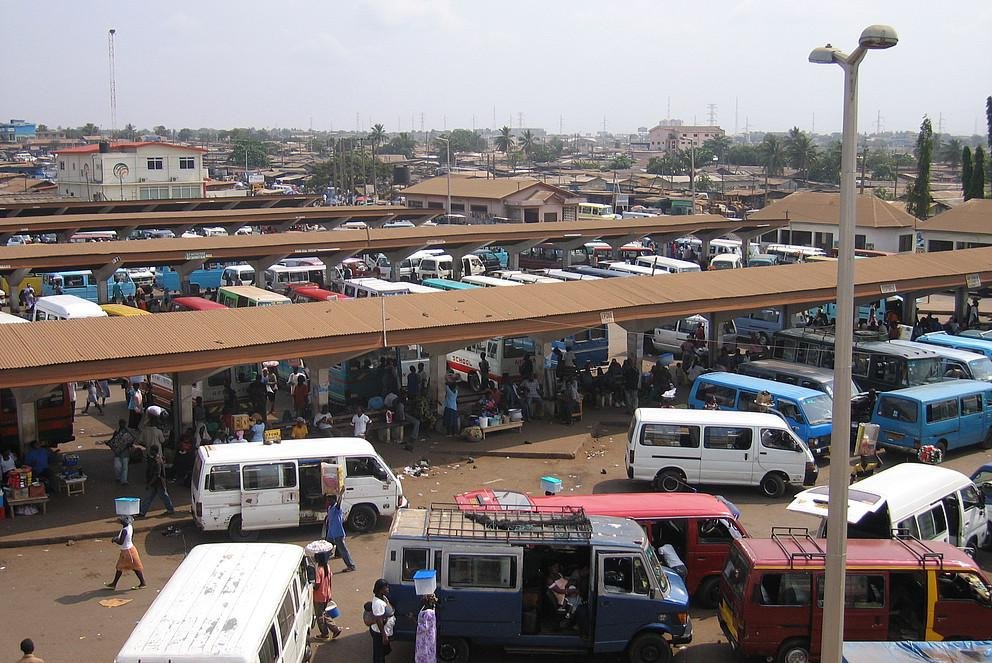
(728, 634)
(809, 477)
(630, 472)
(686, 636)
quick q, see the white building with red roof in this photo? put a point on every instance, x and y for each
(125, 170)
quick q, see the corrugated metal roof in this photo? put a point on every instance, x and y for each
(49, 352)
(824, 208)
(174, 250)
(478, 187)
(973, 217)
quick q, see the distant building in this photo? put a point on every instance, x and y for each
(130, 171)
(672, 135)
(16, 131)
(814, 219)
(964, 227)
(520, 199)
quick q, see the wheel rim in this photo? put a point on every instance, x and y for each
(669, 483)
(446, 651)
(797, 655)
(770, 487)
(362, 520)
(650, 654)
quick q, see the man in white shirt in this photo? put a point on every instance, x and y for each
(322, 422)
(360, 421)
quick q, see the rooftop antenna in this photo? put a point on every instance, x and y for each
(113, 83)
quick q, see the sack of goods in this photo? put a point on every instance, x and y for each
(331, 478)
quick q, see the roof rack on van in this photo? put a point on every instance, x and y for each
(805, 546)
(916, 547)
(550, 523)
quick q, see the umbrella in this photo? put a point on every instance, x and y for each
(319, 546)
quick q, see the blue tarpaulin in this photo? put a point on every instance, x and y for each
(918, 652)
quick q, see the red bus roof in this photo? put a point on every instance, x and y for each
(801, 552)
(196, 303)
(639, 506)
(311, 291)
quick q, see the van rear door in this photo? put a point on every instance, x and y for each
(270, 495)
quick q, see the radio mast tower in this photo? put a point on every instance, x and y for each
(113, 84)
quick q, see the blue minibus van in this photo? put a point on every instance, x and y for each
(808, 412)
(949, 415)
(955, 362)
(969, 343)
(82, 284)
(500, 578)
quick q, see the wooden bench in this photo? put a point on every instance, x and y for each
(42, 501)
(510, 425)
(75, 486)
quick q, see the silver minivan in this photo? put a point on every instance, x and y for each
(803, 375)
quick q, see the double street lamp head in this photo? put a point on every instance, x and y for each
(874, 37)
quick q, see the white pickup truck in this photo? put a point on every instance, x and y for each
(670, 336)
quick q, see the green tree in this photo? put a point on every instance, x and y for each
(89, 129)
(801, 151)
(918, 198)
(978, 174)
(703, 182)
(676, 162)
(988, 118)
(257, 154)
(743, 155)
(504, 141)
(527, 142)
(950, 153)
(620, 162)
(966, 174)
(160, 130)
(772, 152)
(42, 128)
(826, 166)
(402, 144)
(464, 140)
(377, 135)
(718, 145)
(543, 153)
(185, 135)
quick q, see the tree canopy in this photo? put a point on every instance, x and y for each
(918, 198)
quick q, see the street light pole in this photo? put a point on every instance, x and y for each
(873, 37)
(447, 151)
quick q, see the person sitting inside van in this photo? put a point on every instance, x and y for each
(556, 584)
(711, 403)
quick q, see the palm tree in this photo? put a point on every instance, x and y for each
(504, 141)
(718, 145)
(950, 152)
(801, 150)
(527, 142)
(772, 155)
(377, 135)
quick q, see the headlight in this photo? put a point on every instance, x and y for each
(663, 618)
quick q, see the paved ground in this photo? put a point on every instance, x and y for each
(51, 591)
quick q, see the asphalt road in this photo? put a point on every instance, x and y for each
(52, 593)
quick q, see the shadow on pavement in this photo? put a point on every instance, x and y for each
(99, 593)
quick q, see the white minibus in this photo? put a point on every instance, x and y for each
(663, 264)
(10, 318)
(636, 270)
(523, 277)
(442, 266)
(562, 275)
(66, 307)
(726, 261)
(673, 448)
(238, 275)
(372, 287)
(230, 603)
(931, 503)
(489, 281)
(245, 487)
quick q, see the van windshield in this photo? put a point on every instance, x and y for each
(656, 567)
(981, 369)
(819, 409)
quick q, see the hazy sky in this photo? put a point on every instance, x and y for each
(297, 63)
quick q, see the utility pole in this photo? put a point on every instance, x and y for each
(878, 123)
(864, 162)
(737, 107)
(113, 83)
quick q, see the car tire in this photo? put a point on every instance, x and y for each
(708, 592)
(649, 648)
(986, 442)
(235, 532)
(452, 650)
(669, 481)
(362, 518)
(773, 485)
(793, 651)
(474, 382)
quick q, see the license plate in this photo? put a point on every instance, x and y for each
(895, 436)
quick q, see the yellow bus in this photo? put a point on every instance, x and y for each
(241, 296)
(596, 211)
(122, 311)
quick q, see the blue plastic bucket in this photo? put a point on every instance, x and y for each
(332, 612)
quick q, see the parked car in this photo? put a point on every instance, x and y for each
(670, 336)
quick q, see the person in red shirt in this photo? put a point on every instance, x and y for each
(301, 396)
(322, 596)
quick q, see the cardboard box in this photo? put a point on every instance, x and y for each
(272, 435)
(242, 422)
(36, 490)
